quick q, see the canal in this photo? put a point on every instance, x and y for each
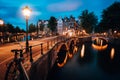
(90, 63)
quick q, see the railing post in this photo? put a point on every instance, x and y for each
(16, 51)
(51, 43)
(48, 45)
(21, 54)
(41, 48)
(31, 59)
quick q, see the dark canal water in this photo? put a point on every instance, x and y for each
(90, 63)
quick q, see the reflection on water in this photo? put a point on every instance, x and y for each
(63, 63)
(112, 53)
(75, 49)
(94, 65)
(70, 55)
(99, 47)
(82, 51)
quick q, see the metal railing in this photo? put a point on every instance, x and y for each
(35, 51)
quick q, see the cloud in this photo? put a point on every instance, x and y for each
(36, 13)
(8, 12)
(64, 6)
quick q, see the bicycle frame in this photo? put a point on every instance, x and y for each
(23, 71)
(21, 67)
(18, 70)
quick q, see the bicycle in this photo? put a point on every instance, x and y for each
(15, 69)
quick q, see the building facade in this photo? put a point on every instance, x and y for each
(60, 26)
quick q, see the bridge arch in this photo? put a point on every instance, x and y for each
(103, 38)
(99, 43)
(72, 47)
(62, 55)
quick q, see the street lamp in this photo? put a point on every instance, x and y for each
(1, 24)
(27, 12)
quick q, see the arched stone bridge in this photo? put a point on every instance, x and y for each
(104, 38)
(57, 55)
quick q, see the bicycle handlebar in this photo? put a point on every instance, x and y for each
(16, 50)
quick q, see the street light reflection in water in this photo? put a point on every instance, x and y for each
(82, 51)
(112, 53)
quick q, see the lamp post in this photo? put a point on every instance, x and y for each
(1, 24)
(26, 12)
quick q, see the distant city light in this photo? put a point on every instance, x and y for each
(115, 31)
(1, 22)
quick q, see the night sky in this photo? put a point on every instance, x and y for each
(11, 10)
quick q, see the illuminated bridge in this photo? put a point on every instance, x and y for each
(58, 55)
(57, 51)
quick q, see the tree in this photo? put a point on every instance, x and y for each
(52, 24)
(17, 29)
(10, 28)
(66, 19)
(72, 18)
(88, 20)
(111, 17)
(32, 28)
(22, 30)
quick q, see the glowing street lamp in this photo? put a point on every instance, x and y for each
(1, 25)
(27, 12)
(1, 22)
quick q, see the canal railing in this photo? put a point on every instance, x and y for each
(38, 50)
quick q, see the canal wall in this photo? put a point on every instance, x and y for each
(39, 69)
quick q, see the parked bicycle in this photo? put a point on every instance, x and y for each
(15, 69)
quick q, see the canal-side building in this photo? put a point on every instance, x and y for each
(60, 26)
(42, 27)
(38, 27)
(46, 30)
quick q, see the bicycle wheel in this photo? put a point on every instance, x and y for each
(12, 72)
